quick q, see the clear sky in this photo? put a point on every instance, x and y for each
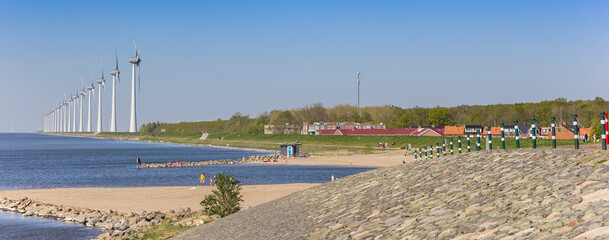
(203, 60)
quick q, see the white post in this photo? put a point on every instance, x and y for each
(69, 126)
(132, 122)
(113, 119)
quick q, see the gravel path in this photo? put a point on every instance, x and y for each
(509, 194)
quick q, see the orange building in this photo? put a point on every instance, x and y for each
(453, 131)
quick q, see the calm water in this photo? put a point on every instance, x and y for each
(44, 161)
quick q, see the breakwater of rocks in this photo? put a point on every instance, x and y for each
(505, 194)
(248, 159)
(116, 224)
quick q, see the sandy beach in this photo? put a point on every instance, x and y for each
(390, 158)
(149, 198)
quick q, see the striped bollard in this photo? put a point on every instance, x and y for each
(415, 154)
(490, 139)
(575, 131)
(606, 129)
(420, 154)
(502, 136)
(603, 123)
(425, 153)
(444, 147)
(516, 134)
(553, 125)
(438, 149)
(459, 143)
(431, 151)
(451, 146)
(468, 143)
(533, 137)
(478, 140)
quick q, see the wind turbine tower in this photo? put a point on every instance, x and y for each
(135, 61)
(91, 92)
(69, 125)
(102, 83)
(75, 100)
(81, 95)
(115, 76)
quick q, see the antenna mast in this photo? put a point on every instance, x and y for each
(359, 110)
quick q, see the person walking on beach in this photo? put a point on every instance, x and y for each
(202, 179)
(139, 162)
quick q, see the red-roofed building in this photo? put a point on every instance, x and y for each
(371, 132)
(428, 131)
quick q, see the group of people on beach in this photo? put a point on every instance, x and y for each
(211, 180)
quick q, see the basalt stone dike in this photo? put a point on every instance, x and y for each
(508, 194)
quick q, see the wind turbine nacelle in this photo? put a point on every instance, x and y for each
(100, 81)
(90, 87)
(75, 97)
(135, 60)
(82, 93)
(115, 72)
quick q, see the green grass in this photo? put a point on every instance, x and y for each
(161, 231)
(327, 144)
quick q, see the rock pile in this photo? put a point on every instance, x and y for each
(248, 159)
(507, 194)
(117, 224)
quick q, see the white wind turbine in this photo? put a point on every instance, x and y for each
(81, 96)
(91, 93)
(75, 103)
(102, 83)
(115, 76)
(69, 113)
(135, 61)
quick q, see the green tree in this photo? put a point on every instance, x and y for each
(543, 115)
(439, 116)
(225, 199)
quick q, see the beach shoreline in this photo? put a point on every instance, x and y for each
(386, 159)
(137, 199)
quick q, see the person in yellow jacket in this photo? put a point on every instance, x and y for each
(202, 179)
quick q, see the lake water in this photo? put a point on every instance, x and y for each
(45, 161)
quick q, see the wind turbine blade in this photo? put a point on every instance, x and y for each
(116, 54)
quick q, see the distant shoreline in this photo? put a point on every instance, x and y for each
(129, 138)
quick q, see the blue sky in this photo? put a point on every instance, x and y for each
(205, 60)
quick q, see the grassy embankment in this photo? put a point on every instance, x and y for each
(321, 145)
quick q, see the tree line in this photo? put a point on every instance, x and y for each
(397, 117)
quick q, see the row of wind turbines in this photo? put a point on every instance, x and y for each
(62, 118)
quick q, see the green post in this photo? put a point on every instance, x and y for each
(516, 133)
(468, 144)
(438, 149)
(533, 133)
(415, 154)
(420, 154)
(553, 125)
(444, 147)
(478, 140)
(431, 151)
(490, 139)
(459, 143)
(451, 146)
(575, 131)
(502, 136)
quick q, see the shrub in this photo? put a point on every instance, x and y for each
(225, 199)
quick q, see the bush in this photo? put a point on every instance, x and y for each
(225, 199)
